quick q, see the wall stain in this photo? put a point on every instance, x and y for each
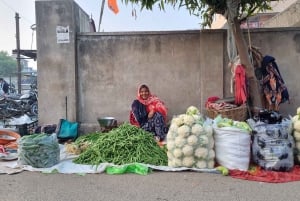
(60, 10)
(297, 42)
(144, 43)
(158, 45)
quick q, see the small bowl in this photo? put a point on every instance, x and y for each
(7, 136)
(106, 121)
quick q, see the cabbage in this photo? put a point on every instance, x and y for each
(192, 110)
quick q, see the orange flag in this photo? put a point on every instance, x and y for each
(112, 4)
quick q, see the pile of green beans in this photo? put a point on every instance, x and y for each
(123, 145)
(89, 138)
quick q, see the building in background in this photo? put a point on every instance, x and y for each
(28, 75)
(284, 13)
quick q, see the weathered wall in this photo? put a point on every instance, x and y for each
(100, 72)
(112, 65)
(56, 61)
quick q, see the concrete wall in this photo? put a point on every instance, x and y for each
(56, 62)
(112, 65)
(99, 72)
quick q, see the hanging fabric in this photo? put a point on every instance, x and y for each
(240, 85)
(233, 66)
(112, 4)
(274, 87)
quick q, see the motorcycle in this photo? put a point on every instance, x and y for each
(22, 104)
(3, 111)
(29, 102)
(9, 108)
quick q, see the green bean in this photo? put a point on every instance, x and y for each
(123, 145)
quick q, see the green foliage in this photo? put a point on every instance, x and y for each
(208, 8)
(8, 65)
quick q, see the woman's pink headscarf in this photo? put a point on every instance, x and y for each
(153, 103)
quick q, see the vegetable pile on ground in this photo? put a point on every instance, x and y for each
(226, 122)
(296, 133)
(123, 145)
(82, 143)
(190, 141)
(38, 150)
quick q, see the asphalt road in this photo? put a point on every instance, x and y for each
(156, 186)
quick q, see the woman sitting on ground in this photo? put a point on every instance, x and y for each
(150, 113)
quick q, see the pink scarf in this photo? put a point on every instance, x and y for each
(153, 103)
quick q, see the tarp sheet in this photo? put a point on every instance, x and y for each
(66, 166)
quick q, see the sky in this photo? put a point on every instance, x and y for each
(155, 20)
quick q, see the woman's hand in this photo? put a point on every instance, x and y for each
(150, 114)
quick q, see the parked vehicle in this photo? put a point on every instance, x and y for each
(14, 105)
(29, 102)
(12, 89)
(9, 108)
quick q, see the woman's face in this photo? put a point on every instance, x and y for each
(144, 93)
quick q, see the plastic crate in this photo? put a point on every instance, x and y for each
(24, 129)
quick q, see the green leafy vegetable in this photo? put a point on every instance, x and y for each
(123, 145)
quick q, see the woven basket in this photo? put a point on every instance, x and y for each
(238, 114)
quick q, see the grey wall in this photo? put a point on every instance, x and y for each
(174, 65)
(57, 63)
(100, 72)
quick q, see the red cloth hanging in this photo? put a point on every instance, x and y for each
(240, 85)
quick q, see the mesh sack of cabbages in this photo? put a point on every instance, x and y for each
(190, 142)
(38, 150)
(296, 134)
(273, 146)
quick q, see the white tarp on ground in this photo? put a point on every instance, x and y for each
(66, 166)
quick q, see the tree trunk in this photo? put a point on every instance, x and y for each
(253, 85)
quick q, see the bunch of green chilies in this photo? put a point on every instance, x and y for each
(123, 145)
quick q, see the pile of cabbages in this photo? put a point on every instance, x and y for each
(190, 141)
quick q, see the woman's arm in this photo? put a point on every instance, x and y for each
(150, 114)
(139, 111)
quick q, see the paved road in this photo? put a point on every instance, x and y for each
(157, 186)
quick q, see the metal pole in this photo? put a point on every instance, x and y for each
(101, 14)
(66, 107)
(18, 52)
